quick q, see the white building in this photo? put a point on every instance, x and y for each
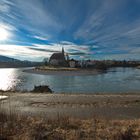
(72, 63)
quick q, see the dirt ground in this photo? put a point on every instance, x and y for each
(75, 106)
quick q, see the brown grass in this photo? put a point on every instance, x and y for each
(51, 68)
(19, 127)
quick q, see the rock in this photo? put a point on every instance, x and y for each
(41, 89)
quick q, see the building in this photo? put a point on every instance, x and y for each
(72, 63)
(58, 59)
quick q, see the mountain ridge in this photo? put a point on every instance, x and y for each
(7, 59)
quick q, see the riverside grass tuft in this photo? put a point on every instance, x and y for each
(15, 126)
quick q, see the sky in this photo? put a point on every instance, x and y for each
(87, 29)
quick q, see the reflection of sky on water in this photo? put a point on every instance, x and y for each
(8, 79)
(115, 80)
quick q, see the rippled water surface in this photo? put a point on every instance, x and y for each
(113, 81)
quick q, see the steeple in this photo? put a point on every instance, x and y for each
(63, 51)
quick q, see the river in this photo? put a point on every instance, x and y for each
(115, 80)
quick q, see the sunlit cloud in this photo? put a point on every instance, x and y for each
(6, 32)
(24, 51)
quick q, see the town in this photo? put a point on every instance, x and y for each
(62, 59)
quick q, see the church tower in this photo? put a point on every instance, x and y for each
(63, 51)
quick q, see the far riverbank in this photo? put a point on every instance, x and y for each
(64, 71)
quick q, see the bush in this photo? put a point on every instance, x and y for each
(41, 89)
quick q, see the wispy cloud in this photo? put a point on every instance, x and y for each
(24, 51)
(91, 28)
(40, 37)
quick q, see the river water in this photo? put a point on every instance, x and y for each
(115, 80)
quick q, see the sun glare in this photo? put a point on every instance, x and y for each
(4, 34)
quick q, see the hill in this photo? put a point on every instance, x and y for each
(7, 62)
(7, 59)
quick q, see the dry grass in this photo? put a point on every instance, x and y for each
(51, 68)
(18, 127)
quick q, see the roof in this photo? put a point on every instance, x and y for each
(58, 56)
(72, 60)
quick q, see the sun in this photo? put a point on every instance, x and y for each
(4, 34)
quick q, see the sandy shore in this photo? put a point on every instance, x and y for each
(77, 106)
(64, 72)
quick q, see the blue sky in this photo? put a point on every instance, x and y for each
(87, 29)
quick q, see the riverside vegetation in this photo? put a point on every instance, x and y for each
(14, 126)
(17, 126)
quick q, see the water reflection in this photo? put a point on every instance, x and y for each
(8, 79)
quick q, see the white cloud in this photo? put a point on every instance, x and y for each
(33, 16)
(23, 52)
(69, 47)
(40, 38)
(7, 26)
(4, 7)
(34, 52)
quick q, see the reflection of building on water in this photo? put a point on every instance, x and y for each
(59, 59)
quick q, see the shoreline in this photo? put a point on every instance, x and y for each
(64, 72)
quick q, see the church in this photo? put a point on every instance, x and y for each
(59, 59)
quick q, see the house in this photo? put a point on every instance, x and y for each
(72, 63)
